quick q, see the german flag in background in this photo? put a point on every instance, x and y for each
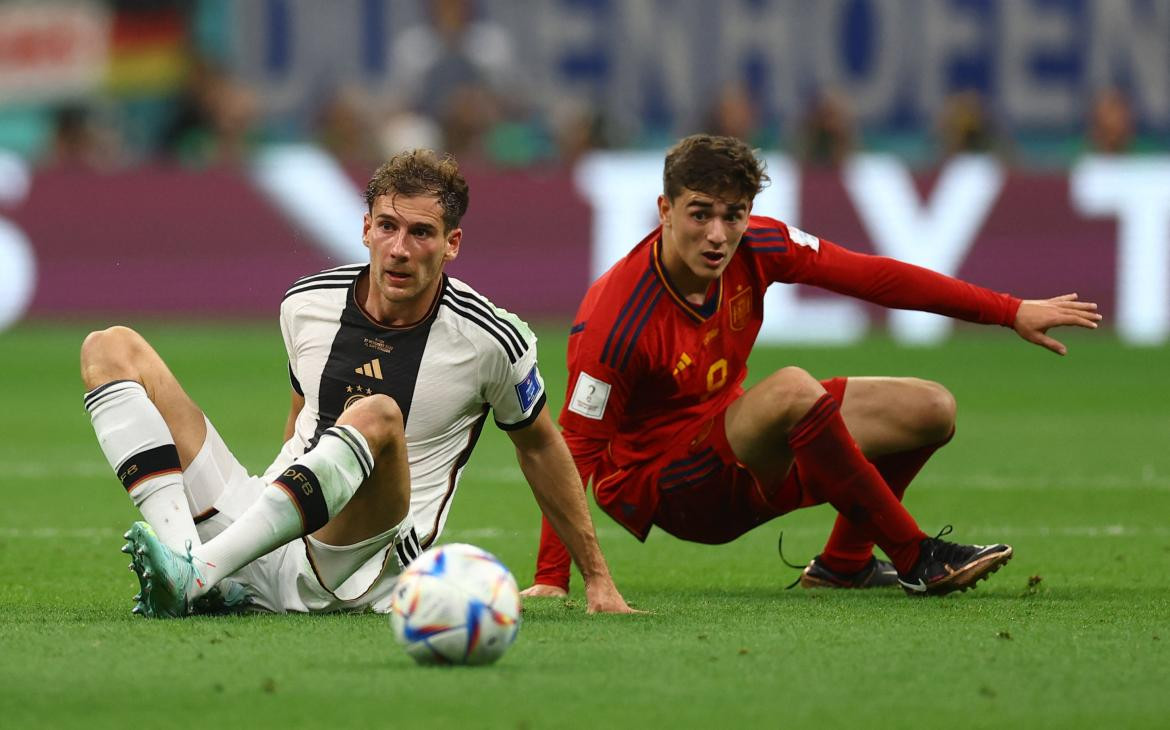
(148, 52)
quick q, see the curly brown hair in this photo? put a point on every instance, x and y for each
(724, 167)
(421, 172)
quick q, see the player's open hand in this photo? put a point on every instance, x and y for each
(1036, 316)
(601, 596)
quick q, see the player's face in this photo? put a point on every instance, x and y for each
(408, 247)
(700, 233)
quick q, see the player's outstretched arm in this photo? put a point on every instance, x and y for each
(1036, 316)
(547, 465)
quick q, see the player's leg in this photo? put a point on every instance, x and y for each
(353, 485)
(790, 419)
(148, 427)
(378, 514)
(897, 415)
(898, 423)
(830, 464)
(384, 499)
(316, 490)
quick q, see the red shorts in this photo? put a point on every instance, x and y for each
(706, 495)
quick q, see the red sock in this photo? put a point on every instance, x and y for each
(830, 464)
(552, 559)
(849, 548)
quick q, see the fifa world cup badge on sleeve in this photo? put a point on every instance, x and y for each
(800, 238)
(589, 396)
(529, 389)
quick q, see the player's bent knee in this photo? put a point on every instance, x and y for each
(113, 343)
(379, 419)
(937, 409)
(789, 393)
(797, 387)
(110, 354)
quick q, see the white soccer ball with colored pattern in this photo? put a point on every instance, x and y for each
(455, 604)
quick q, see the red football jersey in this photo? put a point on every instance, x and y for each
(648, 369)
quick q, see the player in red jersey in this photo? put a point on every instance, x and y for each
(657, 416)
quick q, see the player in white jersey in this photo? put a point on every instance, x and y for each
(442, 372)
(395, 367)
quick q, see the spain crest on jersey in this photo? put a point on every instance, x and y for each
(740, 308)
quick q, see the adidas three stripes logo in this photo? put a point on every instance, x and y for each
(372, 369)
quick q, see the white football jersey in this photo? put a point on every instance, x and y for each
(466, 358)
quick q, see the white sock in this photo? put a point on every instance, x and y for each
(141, 451)
(165, 509)
(311, 491)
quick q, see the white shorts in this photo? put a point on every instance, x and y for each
(219, 489)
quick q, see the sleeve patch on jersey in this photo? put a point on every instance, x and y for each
(529, 389)
(801, 238)
(589, 396)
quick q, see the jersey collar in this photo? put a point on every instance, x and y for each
(699, 314)
(353, 297)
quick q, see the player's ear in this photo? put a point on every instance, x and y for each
(663, 210)
(454, 239)
(367, 221)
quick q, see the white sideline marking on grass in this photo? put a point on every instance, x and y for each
(999, 532)
(1083, 531)
(55, 470)
(492, 533)
(1148, 479)
(93, 468)
(59, 533)
(609, 532)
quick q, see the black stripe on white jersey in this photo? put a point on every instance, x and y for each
(340, 276)
(408, 547)
(314, 287)
(323, 281)
(503, 332)
(478, 319)
(483, 307)
(335, 271)
(411, 545)
(342, 380)
(412, 539)
(347, 271)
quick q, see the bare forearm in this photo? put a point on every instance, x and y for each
(556, 485)
(548, 466)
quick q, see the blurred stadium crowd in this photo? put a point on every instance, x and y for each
(456, 81)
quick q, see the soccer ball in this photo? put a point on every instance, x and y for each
(455, 604)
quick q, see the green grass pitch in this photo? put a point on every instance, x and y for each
(1067, 459)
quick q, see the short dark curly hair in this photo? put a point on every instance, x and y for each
(421, 172)
(724, 167)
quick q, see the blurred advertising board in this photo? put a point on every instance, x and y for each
(651, 65)
(173, 242)
(52, 50)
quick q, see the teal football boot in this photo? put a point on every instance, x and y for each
(167, 581)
